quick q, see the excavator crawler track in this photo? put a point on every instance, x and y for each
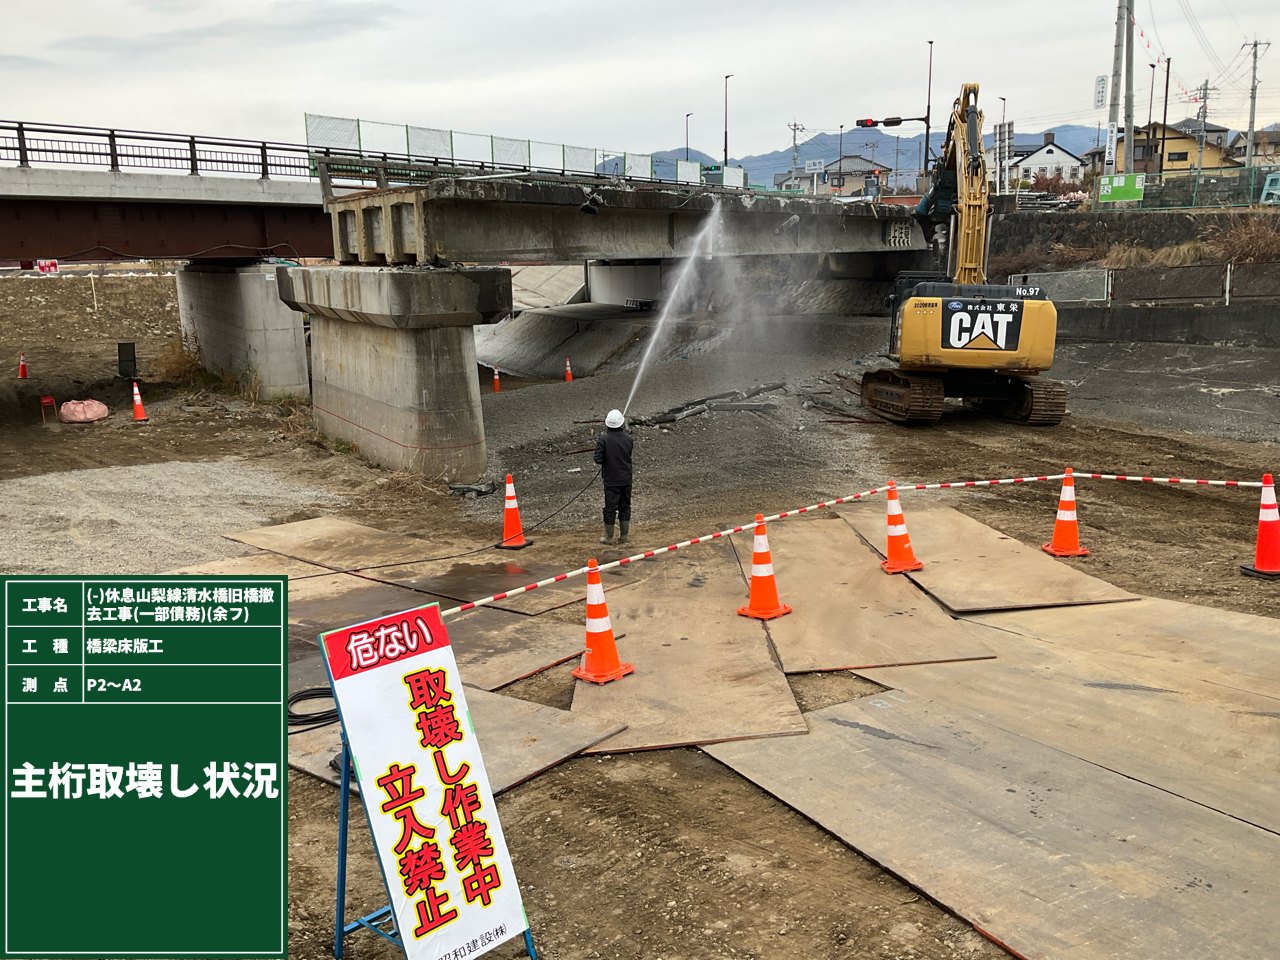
(903, 397)
(1042, 402)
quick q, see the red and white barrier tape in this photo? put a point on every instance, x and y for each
(950, 485)
(1080, 475)
(749, 525)
(958, 484)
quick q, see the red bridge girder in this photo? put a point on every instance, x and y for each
(97, 230)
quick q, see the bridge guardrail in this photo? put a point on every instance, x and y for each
(114, 149)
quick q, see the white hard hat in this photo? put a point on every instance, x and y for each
(614, 419)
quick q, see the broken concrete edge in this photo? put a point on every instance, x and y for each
(546, 192)
(401, 297)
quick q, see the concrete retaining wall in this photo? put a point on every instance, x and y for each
(237, 321)
(1015, 232)
(1255, 323)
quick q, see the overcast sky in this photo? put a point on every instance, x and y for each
(610, 75)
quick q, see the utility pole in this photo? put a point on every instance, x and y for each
(796, 129)
(686, 136)
(1117, 64)
(1002, 148)
(1253, 101)
(1164, 121)
(1204, 117)
(1129, 139)
(897, 142)
(1146, 140)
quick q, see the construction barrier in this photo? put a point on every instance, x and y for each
(850, 498)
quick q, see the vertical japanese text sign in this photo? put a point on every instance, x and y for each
(423, 784)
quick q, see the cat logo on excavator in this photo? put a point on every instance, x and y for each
(981, 325)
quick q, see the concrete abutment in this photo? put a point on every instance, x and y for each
(234, 317)
(393, 359)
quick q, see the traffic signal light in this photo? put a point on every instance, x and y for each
(866, 123)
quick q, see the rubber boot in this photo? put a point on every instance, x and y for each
(608, 535)
(624, 527)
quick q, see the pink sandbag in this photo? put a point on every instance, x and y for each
(82, 411)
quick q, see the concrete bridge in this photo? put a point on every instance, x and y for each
(392, 359)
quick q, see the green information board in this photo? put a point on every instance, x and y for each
(145, 766)
(1121, 186)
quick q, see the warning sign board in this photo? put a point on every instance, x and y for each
(435, 826)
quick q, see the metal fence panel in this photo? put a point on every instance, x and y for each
(546, 156)
(1069, 284)
(474, 147)
(511, 153)
(340, 133)
(638, 165)
(580, 159)
(688, 171)
(427, 142)
(611, 162)
(383, 137)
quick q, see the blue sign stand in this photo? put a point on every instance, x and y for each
(380, 921)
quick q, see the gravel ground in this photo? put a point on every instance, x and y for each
(61, 522)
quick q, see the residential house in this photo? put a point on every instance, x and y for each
(1051, 160)
(1180, 150)
(1175, 148)
(1016, 152)
(848, 176)
(793, 179)
(1214, 135)
(1266, 146)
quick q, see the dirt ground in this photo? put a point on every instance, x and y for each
(660, 854)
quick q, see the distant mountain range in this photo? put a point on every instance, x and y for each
(900, 153)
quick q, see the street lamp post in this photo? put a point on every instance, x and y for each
(928, 111)
(1002, 186)
(686, 136)
(726, 120)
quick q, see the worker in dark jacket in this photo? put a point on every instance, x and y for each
(613, 453)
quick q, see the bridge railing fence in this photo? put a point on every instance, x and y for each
(30, 144)
(358, 152)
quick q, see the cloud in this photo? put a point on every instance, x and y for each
(13, 61)
(274, 27)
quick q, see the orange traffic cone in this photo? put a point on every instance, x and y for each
(1066, 529)
(600, 662)
(22, 366)
(497, 381)
(139, 412)
(1266, 563)
(900, 558)
(764, 603)
(568, 371)
(512, 530)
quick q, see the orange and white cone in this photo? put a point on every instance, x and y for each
(764, 603)
(139, 412)
(568, 371)
(600, 662)
(512, 529)
(1066, 529)
(899, 557)
(497, 381)
(1266, 563)
(22, 366)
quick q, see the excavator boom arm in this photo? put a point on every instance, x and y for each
(962, 153)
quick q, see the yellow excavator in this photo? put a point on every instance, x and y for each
(953, 334)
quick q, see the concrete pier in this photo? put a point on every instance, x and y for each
(393, 360)
(234, 317)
